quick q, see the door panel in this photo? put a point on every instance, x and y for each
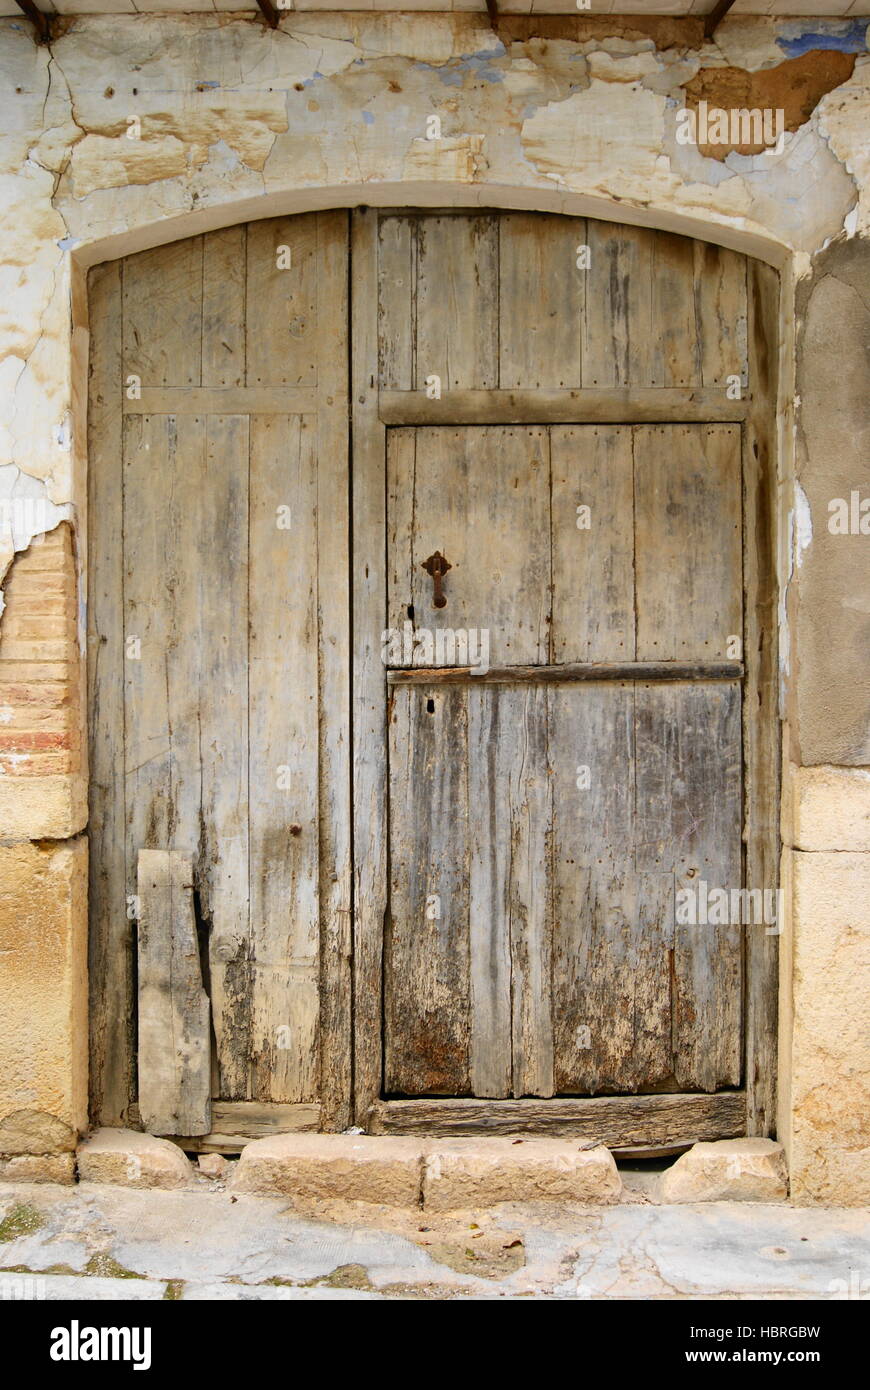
(549, 827)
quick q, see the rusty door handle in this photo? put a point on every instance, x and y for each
(437, 566)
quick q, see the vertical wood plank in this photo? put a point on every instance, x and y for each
(542, 296)
(618, 326)
(427, 969)
(593, 554)
(761, 725)
(283, 741)
(223, 307)
(111, 932)
(334, 655)
(457, 301)
(688, 541)
(721, 314)
(675, 350)
(369, 705)
(397, 302)
(281, 319)
(174, 1041)
(689, 795)
(162, 292)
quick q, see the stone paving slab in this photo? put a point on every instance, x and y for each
(102, 1241)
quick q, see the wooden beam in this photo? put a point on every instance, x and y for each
(237, 1123)
(616, 406)
(41, 22)
(715, 17)
(271, 15)
(570, 672)
(618, 1121)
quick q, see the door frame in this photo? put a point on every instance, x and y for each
(657, 1121)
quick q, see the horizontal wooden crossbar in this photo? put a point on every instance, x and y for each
(556, 675)
(621, 405)
(653, 1121)
(231, 400)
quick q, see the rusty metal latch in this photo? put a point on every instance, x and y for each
(437, 566)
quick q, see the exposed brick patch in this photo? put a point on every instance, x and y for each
(39, 661)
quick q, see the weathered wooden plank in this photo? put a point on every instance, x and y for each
(426, 957)
(229, 400)
(614, 925)
(721, 314)
(370, 696)
(457, 301)
(761, 726)
(283, 742)
(174, 1041)
(618, 327)
(111, 930)
(397, 302)
(674, 347)
(591, 405)
(487, 493)
(223, 308)
(281, 325)
(617, 1121)
(542, 296)
(688, 808)
(688, 560)
(570, 672)
(334, 664)
(162, 292)
(237, 1123)
(593, 544)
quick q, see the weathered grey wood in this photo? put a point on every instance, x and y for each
(618, 327)
(111, 936)
(688, 808)
(426, 956)
(542, 295)
(720, 307)
(761, 726)
(674, 347)
(238, 1123)
(457, 301)
(591, 405)
(571, 671)
(370, 696)
(162, 310)
(281, 325)
(593, 553)
(334, 667)
(397, 302)
(229, 400)
(687, 542)
(174, 1055)
(617, 1121)
(481, 497)
(284, 822)
(223, 309)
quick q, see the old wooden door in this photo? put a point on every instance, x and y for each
(550, 739)
(218, 645)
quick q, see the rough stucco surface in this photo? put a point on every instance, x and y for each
(832, 637)
(563, 113)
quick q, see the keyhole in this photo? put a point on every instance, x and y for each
(430, 706)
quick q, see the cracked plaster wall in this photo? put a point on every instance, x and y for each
(562, 113)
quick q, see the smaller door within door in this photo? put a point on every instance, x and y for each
(541, 823)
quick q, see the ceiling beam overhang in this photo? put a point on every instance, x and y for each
(715, 17)
(272, 16)
(40, 21)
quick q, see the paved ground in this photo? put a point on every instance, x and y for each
(102, 1242)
